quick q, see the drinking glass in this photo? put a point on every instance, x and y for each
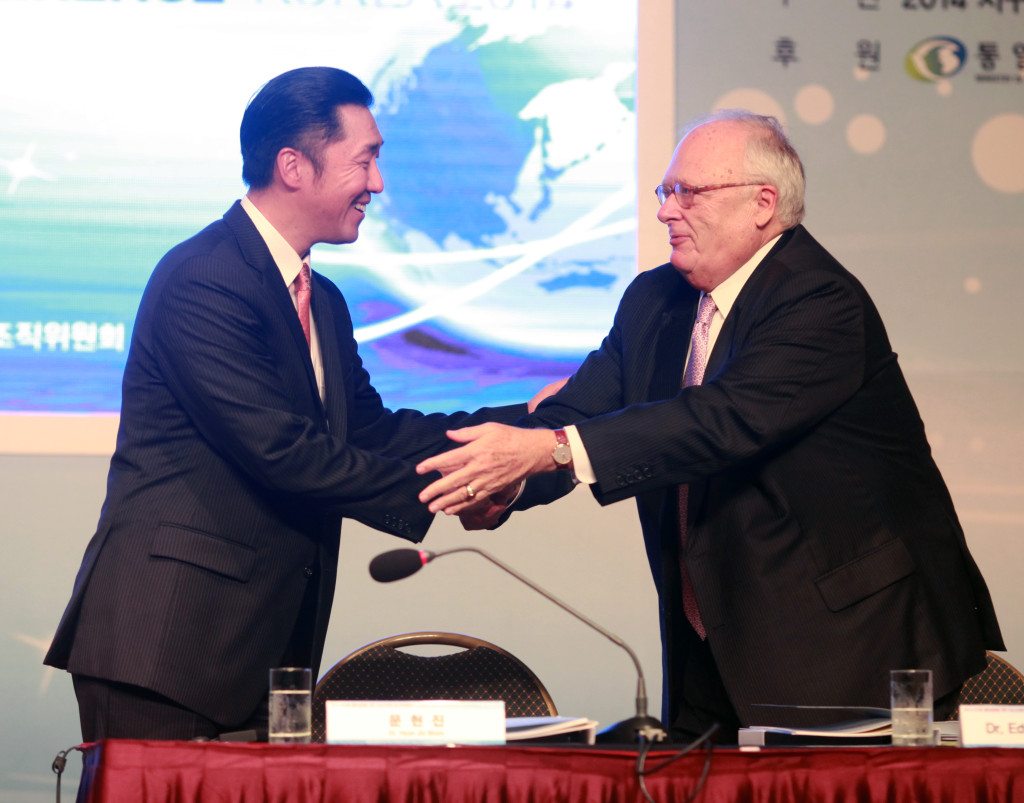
(289, 720)
(911, 696)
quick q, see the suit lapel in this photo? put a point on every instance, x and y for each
(751, 291)
(671, 341)
(723, 343)
(326, 327)
(718, 359)
(254, 251)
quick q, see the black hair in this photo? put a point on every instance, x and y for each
(297, 109)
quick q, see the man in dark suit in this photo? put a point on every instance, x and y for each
(249, 429)
(801, 538)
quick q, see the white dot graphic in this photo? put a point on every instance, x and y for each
(944, 87)
(865, 134)
(814, 104)
(753, 99)
(998, 154)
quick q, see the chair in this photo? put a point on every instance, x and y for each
(478, 671)
(998, 683)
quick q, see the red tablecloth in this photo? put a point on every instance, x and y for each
(141, 771)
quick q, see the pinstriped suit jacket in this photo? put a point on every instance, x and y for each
(230, 479)
(822, 543)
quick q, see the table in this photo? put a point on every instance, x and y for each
(122, 771)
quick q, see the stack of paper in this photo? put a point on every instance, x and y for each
(866, 726)
(559, 729)
(874, 730)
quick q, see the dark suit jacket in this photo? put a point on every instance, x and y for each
(230, 479)
(822, 543)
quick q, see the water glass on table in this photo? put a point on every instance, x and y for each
(290, 705)
(911, 703)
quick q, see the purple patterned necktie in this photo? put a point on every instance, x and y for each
(694, 375)
(302, 293)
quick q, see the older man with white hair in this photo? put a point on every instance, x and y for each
(801, 538)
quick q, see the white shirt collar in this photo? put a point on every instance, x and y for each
(284, 256)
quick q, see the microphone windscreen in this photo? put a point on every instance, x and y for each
(397, 564)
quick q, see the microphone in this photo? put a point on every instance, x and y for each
(398, 564)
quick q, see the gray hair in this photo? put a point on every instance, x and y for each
(770, 158)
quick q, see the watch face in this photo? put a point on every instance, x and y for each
(562, 454)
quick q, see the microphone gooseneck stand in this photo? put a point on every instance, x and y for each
(400, 563)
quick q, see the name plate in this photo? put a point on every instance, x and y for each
(415, 722)
(992, 725)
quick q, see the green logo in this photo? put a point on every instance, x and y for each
(935, 58)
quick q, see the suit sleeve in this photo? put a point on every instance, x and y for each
(213, 331)
(798, 356)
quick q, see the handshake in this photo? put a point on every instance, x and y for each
(483, 476)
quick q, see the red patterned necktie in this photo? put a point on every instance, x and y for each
(694, 375)
(302, 292)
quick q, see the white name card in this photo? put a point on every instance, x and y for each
(992, 725)
(416, 722)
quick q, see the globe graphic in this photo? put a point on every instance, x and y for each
(508, 216)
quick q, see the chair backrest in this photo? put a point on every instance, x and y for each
(998, 683)
(478, 671)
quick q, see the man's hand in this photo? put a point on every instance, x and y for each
(548, 390)
(481, 516)
(494, 457)
(485, 514)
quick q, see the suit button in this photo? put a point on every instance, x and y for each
(306, 570)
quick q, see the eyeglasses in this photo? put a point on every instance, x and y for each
(684, 193)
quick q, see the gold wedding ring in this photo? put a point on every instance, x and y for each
(470, 493)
